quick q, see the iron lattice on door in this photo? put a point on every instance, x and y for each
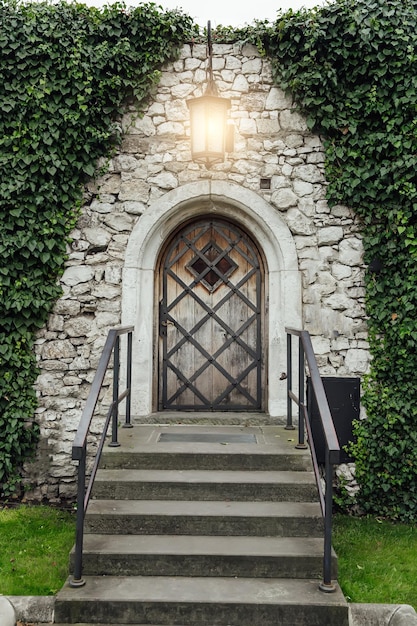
(210, 320)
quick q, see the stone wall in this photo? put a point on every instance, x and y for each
(272, 143)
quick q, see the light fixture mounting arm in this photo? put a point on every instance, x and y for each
(211, 85)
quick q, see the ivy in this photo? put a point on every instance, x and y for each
(66, 73)
(352, 69)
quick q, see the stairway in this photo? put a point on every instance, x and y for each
(203, 526)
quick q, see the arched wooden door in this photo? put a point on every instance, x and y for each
(210, 320)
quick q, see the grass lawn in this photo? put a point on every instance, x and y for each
(377, 560)
(35, 545)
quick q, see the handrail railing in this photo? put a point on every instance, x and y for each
(332, 448)
(79, 447)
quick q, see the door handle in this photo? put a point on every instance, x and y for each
(162, 319)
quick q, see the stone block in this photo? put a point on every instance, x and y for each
(240, 84)
(309, 173)
(330, 235)
(299, 224)
(351, 251)
(292, 121)
(119, 222)
(59, 349)
(303, 188)
(164, 180)
(357, 361)
(267, 126)
(340, 271)
(135, 190)
(284, 199)
(77, 274)
(253, 66)
(79, 326)
(277, 99)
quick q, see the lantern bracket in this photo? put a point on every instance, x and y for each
(211, 89)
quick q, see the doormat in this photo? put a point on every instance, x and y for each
(206, 438)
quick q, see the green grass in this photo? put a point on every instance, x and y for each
(377, 560)
(35, 542)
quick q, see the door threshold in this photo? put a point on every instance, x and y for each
(241, 418)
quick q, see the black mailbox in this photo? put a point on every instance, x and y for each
(343, 396)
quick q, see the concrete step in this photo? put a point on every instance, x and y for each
(142, 448)
(168, 555)
(177, 517)
(203, 526)
(288, 486)
(201, 602)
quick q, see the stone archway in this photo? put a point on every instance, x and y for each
(273, 237)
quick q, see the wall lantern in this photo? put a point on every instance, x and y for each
(211, 135)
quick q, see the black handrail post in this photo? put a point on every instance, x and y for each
(77, 580)
(128, 423)
(289, 425)
(327, 584)
(79, 448)
(115, 405)
(301, 445)
(332, 447)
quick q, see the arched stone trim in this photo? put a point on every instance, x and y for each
(272, 235)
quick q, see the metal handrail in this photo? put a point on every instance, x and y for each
(79, 447)
(332, 448)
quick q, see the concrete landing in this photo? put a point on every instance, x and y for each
(141, 448)
(265, 435)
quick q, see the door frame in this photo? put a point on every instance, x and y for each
(255, 215)
(263, 298)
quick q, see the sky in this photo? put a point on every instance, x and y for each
(235, 13)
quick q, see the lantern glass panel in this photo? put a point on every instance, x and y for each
(216, 127)
(208, 116)
(198, 121)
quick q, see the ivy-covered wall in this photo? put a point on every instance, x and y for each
(66, 73)
(151, 186)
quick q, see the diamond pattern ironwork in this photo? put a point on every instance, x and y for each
(211, 266)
